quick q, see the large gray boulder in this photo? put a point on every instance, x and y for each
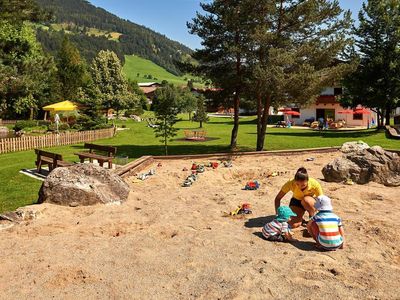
(354, 147)
(371, 164)
(83, 184)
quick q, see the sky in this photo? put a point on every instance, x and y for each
(169, 17)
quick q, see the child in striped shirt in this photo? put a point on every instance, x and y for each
(278, 229)
(326, 227)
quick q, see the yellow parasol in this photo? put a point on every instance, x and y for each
(61, 106)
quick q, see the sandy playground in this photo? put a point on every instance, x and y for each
(171, 242)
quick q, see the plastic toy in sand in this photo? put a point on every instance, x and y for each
(213, 165)
(243, 209)
(348, 181)
(144, 176)
(159, 165)
(252, 185)
(200, 169)
(278, 173)
(189, 180)
(310, 159)
(228, 164)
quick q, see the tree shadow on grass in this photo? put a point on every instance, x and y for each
(136, 151)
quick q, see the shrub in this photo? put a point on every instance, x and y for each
(101, 126)
(63, 126)
(138, 111)
(19, 125)
(44, 123)
(77, 127)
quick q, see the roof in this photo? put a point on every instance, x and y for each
(148, 84)
(148, 90)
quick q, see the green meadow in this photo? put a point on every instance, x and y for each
(18, 190)
(135, 65)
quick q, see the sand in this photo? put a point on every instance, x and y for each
(170, 242)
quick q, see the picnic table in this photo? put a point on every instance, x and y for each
(281, 124)
(93, 153)
(195, 135)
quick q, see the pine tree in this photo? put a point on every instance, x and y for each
(294, 52)
(224, 33)
(376, 82)
(71, 70)
(166, 109)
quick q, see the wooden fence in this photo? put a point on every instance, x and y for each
(7, 122)
(52, 140)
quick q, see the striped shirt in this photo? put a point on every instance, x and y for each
(328, 224)
(275, 227)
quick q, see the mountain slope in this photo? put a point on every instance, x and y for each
(82, 17)
(143, 70)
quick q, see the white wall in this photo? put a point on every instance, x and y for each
(311, 111)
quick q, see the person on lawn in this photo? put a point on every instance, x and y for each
(304, 190)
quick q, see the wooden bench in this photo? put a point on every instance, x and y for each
(53, 160)
(91, 154)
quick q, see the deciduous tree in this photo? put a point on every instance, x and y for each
(166, 108)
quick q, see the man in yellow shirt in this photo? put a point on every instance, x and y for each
(304, 190)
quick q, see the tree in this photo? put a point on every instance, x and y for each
(27, 75)
(16, 11)
(223, 30)
(201, 112)
(294, 52)
(376, 81)
(166, 109)
(111, 85)
(188, 102)
(71, 70)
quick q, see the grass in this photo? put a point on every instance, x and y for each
(18, 190)
(135, 65)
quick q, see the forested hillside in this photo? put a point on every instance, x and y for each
(82, 17)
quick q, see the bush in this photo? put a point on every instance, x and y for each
(137, 111)
(101, 126)
(77, 127)
(44, 123)
(20, 125)
(62, 127)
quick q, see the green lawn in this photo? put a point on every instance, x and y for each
(135, 64)
(17, 190)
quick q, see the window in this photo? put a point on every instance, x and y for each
(298, 110)
(338, 91)
(357, 116)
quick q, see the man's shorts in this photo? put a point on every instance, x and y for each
(297, 203)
